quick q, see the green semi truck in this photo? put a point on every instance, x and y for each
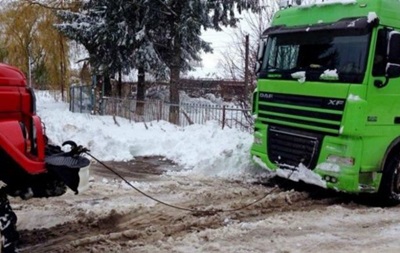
(327, 102)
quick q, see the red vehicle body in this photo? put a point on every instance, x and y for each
(19, 124)
(29, 165)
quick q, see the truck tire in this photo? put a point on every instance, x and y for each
(389, 188)
(8, 221)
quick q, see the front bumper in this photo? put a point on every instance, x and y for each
(343, 179)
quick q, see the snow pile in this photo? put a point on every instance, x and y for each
(300, 76)
(329, 75)
(200, 149)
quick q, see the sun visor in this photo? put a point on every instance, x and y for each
(362, 23)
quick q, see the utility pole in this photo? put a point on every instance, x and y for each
(246, 68)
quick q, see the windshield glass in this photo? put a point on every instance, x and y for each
(326, 55)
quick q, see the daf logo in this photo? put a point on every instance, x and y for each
(334, 102)
(266, 95)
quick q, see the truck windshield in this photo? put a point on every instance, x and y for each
(337, 56)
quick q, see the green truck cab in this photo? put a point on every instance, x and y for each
(327, 102)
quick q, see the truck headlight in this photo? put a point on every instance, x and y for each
(347, 161)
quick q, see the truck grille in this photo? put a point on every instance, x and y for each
(289, 147)
(319, 114)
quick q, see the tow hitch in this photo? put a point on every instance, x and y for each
(71, 167)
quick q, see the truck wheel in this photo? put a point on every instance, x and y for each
(8, 221)
(389, 189)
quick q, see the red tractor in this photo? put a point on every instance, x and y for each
(30, 166)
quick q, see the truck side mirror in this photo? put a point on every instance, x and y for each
(393, 65)
(261, 47)
(394, 47)
(393, 56)
(257, 67)
(260, 54)
(392, 70)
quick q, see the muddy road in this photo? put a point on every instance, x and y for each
(112, 217)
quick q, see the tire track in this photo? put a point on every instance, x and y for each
(122, 230)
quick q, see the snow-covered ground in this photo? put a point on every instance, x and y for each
(213, 172)
(200, 149)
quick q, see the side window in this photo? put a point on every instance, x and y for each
(380, 54)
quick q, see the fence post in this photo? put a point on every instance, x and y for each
(223, 117)
(93, 94)
(71, 101)
(161, 110)
(80, 99)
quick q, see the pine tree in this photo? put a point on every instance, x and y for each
(114, 34)
(162, 37)
(181, 23)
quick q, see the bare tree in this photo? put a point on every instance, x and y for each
(253, 24)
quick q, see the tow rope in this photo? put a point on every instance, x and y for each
(196, 212)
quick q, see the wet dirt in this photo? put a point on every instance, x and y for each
(112, 217)
(142, 168)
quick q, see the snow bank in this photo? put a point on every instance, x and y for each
(201, 149)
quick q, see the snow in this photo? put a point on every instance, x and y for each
(260, 163)
(329, 75)
(302, 173)
(199, 149)
(300, 76)
(372, 17)
(326, 2)
(285, 221)
(299, 173)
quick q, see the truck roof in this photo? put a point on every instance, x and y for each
(11, 76)
(328, 12)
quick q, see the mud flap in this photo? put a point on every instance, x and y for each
(68, 169)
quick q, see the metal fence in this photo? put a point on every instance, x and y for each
(155, 110)
(81, 99)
